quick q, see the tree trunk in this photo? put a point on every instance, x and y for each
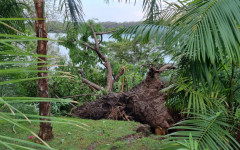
(143, 103)
(45, 132)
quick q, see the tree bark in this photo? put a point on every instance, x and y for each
(45, 132)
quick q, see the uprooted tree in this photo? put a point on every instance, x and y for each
(143, 103)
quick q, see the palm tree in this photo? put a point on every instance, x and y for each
(76, 13)
(18, 65)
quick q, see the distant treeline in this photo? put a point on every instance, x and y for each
(108, 25)
(59, 27)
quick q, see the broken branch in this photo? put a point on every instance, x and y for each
(118, 75)
(95, 86)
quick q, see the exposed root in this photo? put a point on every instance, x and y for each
(143, 103)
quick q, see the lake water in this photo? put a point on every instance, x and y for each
(54, 46)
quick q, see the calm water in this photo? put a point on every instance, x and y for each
(54, 46)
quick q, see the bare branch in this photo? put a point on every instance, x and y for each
(89, 46)
(102, 57)
(148, 65)
(89, 83)
(153, 72)
(100, 39)
(165, 67)
(107, 63)
(95, 86)
(95, 38)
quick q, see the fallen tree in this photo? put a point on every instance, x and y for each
(143, 103)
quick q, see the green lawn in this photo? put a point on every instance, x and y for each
(101, 134)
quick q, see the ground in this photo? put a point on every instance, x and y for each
(101, 135)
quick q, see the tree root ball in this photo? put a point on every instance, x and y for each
(144, 103)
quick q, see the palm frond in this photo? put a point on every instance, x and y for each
(152, 9)
(186, 95)
(205, 33)
(73, 10)
(13, 9)
(22, 61)
(210, 131)
(208, 31)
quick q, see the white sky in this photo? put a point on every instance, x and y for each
(114, 11)
(99, 9)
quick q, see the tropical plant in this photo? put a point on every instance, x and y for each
(10, 114)
(13, 9)
(209, 131)
(75, 9)
(203, 39)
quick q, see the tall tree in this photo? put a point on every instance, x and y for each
(44, 107)
(75, 9)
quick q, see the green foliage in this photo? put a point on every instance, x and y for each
(12, 9)
(60, 27)
(56, 27)
(115, 25)
(192, 98)
(14, 111)
(12, 108)
(203, 38)
(190, 144)
(210, 131)
(201, 33)
(134, 74)
(120, 53)
(80, 54)
(135, 52)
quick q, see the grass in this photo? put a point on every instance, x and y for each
(101, 135)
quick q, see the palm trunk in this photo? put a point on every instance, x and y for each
(45, 132)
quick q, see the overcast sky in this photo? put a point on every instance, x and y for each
(114, 11)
